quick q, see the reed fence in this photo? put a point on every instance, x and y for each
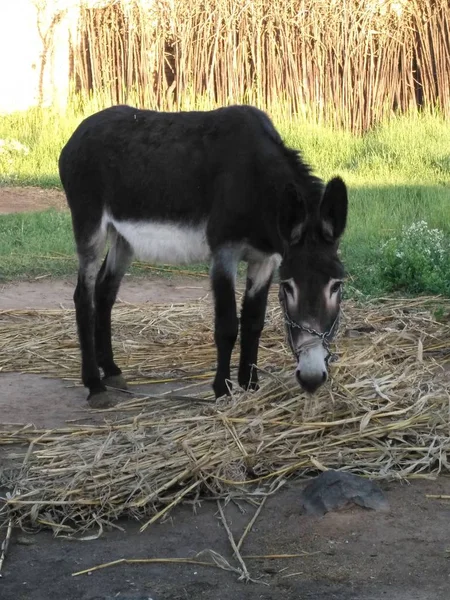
(348, 63)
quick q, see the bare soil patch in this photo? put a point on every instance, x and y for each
(18, 199)
(54, 293)
(351, 554)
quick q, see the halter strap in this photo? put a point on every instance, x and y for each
(325, 337)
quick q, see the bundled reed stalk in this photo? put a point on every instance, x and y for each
(385, 414)
(347, 63)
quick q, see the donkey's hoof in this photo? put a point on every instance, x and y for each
(252, 386)
(115, 381)
(221, 389)
(100, 400)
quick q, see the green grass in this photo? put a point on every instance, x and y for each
(397, 174)
(28, 240)
(38, 244)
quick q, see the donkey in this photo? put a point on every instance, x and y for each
(186, 187)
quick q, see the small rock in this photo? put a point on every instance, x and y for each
(358, 331)
(352, 333)
(25, 540)
(333, 490)
(270, 570)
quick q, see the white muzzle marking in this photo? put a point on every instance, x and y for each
(312, 361)
(312, 369)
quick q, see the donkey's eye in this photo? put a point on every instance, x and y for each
(335, 287)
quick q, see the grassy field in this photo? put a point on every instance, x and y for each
(398, 175)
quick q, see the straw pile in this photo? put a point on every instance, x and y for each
(386, 412)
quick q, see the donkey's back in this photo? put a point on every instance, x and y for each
(138, 164)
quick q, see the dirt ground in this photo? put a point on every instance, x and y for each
(16, 199)
(402, 554)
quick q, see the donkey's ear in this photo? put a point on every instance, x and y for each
(292, 217)
(333, 209)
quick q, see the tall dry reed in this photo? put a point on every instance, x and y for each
(348, 63)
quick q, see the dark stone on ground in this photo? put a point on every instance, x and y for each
(333, 490)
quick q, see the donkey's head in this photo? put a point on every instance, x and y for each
(311, 277)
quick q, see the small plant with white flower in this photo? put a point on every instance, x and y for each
(9, 149)
(11, 146)
(417, 260)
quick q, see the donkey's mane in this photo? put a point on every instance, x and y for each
(310, 187)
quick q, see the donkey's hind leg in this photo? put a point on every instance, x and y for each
(89, 253)
(107, 286)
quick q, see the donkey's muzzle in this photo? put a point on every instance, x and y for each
(311, 383)
(311, 371)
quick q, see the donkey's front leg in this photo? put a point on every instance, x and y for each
(252, 323)
(226, 322)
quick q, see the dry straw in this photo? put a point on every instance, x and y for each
(386, 413)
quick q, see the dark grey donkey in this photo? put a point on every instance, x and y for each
(186, 187)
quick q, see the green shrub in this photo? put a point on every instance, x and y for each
(416, 261)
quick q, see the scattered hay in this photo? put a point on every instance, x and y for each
(386, 413)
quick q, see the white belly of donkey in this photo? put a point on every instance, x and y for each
(165, 242)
